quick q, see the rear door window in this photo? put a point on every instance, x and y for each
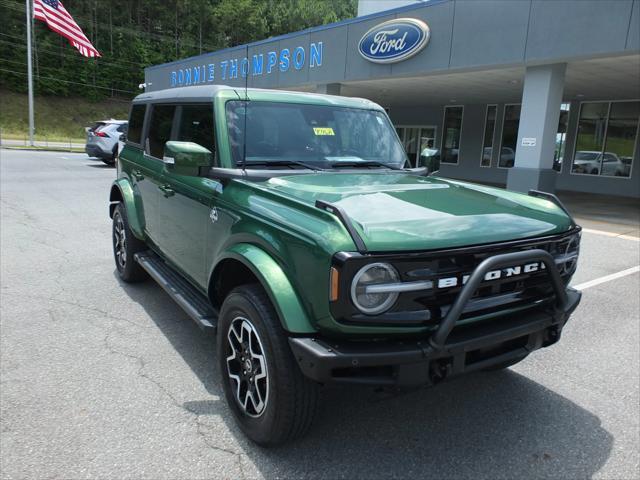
(136, 121)
(196, 125)
(159, 129)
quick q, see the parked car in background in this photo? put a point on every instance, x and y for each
(102, 139)
(587, 161)
(507, 156)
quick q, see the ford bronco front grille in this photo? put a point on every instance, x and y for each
(513, 288)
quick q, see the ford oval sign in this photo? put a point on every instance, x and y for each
(394, 41)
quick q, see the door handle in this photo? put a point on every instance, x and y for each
(137, 174)
(166, 190)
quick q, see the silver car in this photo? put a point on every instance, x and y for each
(590, 162)
(102, 139)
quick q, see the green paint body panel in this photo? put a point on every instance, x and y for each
(274, 228)
(276, 283)
(123, 186)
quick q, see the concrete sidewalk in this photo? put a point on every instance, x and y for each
(619, 215)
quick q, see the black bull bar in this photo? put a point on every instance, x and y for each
(438, 339)
(329, 361)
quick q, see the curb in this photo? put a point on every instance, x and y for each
(42, 149)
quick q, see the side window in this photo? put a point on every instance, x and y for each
(159, 129)
(196, 125)
(136, 120)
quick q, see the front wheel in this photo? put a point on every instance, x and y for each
(271, 400)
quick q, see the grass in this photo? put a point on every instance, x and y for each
(56, 118)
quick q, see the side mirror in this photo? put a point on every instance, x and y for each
(186, 158)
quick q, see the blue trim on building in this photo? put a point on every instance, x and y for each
(404, 8)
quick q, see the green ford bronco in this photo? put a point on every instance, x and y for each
(287, 223)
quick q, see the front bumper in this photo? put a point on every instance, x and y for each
(96, 151)
(449, 350)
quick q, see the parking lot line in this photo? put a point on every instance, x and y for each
(611, 234)
(607, 278)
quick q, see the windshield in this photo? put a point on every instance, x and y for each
(312, 135)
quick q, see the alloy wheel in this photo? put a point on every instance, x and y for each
(120, 242)
(247, 367)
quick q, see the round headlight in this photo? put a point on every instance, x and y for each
(569, 252)
(374, 274)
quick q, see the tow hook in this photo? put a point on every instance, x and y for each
(439, 370)
(553, 335)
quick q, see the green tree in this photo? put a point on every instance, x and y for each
(133, 34)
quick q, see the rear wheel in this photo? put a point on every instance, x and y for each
(270, 398)
(125, 246)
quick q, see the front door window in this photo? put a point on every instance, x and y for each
(159, 129)
(196, 125)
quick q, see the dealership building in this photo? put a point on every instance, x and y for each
(524, 93)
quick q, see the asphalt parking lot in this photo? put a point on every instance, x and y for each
(105, 380)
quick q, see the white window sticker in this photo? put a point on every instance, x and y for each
(529, 141)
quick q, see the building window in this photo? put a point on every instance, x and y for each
(561, 136)
(606, 138)
(451, 129)
(509, 143)
(489, 130)
(419, 143)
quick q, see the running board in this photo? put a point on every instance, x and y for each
(195, 304)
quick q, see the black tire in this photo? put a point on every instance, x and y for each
(128, 268)
(505, 365)
(289, 400)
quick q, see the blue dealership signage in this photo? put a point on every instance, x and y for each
(394, 40)
(260, 64)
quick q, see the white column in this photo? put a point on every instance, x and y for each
(539, 116)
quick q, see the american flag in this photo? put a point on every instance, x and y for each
(53, 13)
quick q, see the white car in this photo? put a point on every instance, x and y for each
(590, 162)
(102, 139)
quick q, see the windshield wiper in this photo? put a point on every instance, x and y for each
(276, 163)
(364, 163)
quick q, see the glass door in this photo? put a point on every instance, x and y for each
(419, 143)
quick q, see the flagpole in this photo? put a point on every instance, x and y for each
(29, 74)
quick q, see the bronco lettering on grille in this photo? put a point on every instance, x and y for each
(448, 282)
